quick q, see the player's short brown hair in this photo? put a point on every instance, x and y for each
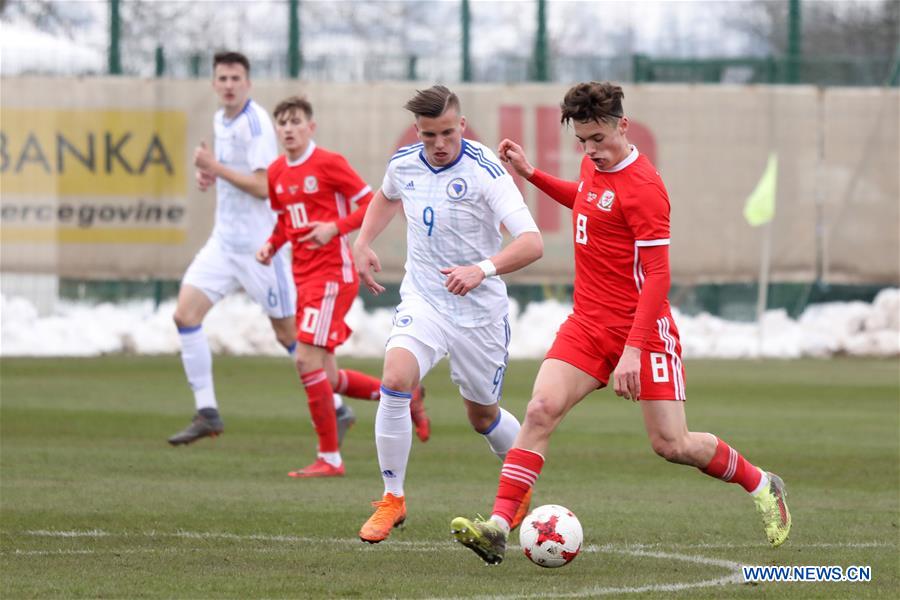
(594, 101)
(289, 105)
(432, 102)
(228, 57)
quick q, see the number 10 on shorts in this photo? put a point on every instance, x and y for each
(310, 320)
(660, 367)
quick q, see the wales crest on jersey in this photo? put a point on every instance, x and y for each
(606, 200)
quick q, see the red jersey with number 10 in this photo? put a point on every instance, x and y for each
(319, 186)
(614, 214)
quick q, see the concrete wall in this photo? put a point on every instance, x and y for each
(131, 209)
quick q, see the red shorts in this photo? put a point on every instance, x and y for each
(321, 308)
(596, 351)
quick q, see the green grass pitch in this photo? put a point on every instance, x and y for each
(94, 503)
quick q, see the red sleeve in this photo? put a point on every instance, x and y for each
(655, 263)
(646, 210)
(351, 186)
(354, 220)
(279, 233)
(560, 190)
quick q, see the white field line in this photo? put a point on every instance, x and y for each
(99, 533)
(637, 550)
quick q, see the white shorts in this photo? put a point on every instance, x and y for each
(478, 355)
(218, 273)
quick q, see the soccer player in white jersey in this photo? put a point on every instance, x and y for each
(455, 196)
(245, 145)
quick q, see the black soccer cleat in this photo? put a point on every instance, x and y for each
(206, 423)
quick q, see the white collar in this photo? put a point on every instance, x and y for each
(632, 156)
(310, 148)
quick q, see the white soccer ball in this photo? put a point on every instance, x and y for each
(551, 536)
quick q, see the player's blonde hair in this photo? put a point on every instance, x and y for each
(432, 102)
(594, 101)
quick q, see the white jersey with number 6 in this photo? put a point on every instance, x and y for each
(244, 144)
(454, 214)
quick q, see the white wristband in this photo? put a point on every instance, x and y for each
(487, 267)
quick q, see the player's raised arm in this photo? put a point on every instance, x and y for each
(560, 190)
(379, 213)
(513, 155)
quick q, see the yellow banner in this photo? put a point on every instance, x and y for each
(92, 152)
(73, 235)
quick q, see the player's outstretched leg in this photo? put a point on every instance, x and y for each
(206, 423)
(772, 507)
(766, 489)
(487, 539)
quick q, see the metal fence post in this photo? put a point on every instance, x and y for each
(160, 59)
(115, 59)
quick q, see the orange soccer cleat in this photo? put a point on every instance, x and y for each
(320, 468)
(390, 512)
(417, 412)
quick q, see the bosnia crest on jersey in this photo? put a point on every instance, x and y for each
(456, 189)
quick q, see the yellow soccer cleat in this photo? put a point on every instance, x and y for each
(484, 538)
(772, 507)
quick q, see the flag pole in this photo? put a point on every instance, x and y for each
(763, 292)
(759, 211)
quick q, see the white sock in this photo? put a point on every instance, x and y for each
(501, 522)
(502, 433)
(338, 401)
(393, 438)
(763, 483)
(332, 458)
(197, 360)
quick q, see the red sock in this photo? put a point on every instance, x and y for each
(321, 408)
(728, 465)
(358, 385)
(520, 470)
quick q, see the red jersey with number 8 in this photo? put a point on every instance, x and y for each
(614, 214)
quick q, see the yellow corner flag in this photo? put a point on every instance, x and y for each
(760, 206)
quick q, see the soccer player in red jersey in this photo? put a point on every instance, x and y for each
(621, 326)
(312, 189)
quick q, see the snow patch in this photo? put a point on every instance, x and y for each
(238, 326)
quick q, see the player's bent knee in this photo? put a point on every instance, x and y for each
(543, 412)
(671, 450)
(307, 359)
(482, 420)
(399, 382)
(186, 318)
